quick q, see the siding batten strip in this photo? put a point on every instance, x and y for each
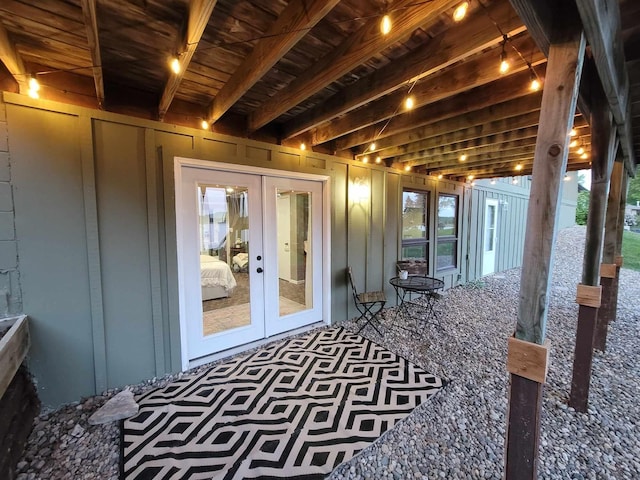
(566, 56)
(154, 248)
(93, 252)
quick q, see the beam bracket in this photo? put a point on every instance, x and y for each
(608, 270)
(618, 261)
(527, 359)
(589, 295)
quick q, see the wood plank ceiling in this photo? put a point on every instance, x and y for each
(317, 72)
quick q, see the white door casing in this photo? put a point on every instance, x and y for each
(490, 236)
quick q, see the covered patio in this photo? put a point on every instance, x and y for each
(481, 109)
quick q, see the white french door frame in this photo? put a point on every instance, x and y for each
(490, 255)
(179, 163)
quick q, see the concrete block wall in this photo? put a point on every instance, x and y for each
(10, 292)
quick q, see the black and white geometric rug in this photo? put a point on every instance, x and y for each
(294, 409)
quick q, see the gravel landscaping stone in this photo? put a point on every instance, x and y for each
(460, 432)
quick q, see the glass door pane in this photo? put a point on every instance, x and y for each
(224, 257)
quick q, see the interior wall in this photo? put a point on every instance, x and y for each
(96, 236)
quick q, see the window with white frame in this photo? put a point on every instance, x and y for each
(415, 226)
(447, 232)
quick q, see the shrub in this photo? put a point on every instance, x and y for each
(582, 208)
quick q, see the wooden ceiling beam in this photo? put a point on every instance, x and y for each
(478, 71)
(489, 121)
(601, 23)
(499, 143)
(91, 25)
(484, 97)
(353, 51)
(575, 163)
(295, 21)
(197, 19)
(12, 60)
(460, 41)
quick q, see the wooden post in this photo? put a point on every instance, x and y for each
(603, 143)
(559, 99)
(618, 260)
(607, 270)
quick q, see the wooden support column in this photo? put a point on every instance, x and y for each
(559, 100)
(618, 260)
(603, 144)
(608, 268)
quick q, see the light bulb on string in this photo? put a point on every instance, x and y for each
(378, 159)
(385, 25)
(535, 85)
(365, 159)
(580, 151)
(440, 177)
(463, 157)
(407, 168)
(303, 146)
(409, 102)
(175, 65)
(573, 144)
(470, 177)
(504, 63)
(460, 12)
(372, 147)
(518, 167)
(573, 132)
(204, 124)
(584, 156)
(34, 87)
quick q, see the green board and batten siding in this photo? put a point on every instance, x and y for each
(95, 228)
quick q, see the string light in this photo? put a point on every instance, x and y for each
(504, 64)
(303, 146)
(584, 156)
(573, 144)
(175, 65)
(378, 159)
(460, 11)
(409, 102)
(463, 157)
(204, 124)
(580, 151)
(372, 147)
(470, 177)
(514, 181)
(385, 25)
(440, 177)
(573, 132)
(407, 168)
(518, 167)
(535, 84)
(34, 87)
(567, 177)
(365, 159)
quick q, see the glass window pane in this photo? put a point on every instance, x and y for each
(446, 254)
(413, 252)
(447, 215)
(414, 215)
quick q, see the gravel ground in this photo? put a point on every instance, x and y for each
(460, 432)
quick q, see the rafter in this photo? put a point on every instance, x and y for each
(473, 73)
(489, 121)
(461, 41)
(12, 60)
(294, 22)
(484, 97)
(362, 45)
(91, 24)
(197, 19)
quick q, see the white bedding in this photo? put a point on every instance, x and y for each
(216, 273)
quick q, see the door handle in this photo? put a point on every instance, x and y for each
(259, 270)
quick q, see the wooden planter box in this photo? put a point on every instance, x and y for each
(14, 345)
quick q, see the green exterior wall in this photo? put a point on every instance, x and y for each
(93, 258)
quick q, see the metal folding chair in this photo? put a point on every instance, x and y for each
(369, 305)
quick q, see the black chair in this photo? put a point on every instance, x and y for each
(369, 304)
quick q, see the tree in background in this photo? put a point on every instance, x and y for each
(633, 194)
(582, 206)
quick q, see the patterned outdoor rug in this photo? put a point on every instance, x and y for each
(294, 409)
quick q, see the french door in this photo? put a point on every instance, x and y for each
(250, 256)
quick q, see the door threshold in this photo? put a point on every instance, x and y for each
(197, 362)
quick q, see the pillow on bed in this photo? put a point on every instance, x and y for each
(208, 258)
